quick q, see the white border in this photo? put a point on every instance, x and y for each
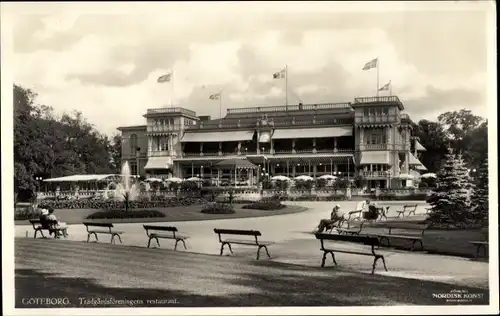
(10, 10)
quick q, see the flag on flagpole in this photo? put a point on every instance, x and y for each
(215, 96)
(280, 74)
(385, 87)
(371, 64)
(165, 78)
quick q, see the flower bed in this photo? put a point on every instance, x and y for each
(265, 205)
(119, 214)
(155, 202)
(217, 208)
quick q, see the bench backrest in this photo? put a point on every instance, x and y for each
(416, 227)
(367, 240)
(410, 206)
(237, 232)
(161, 228)
(36, 223)
(107, 225)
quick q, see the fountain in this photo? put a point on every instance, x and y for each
(126, 190)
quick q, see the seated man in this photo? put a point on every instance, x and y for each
(334, 218)
(60, 225)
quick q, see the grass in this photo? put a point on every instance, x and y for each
(172, 214)
(113, 274)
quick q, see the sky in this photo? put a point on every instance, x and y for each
(104, 60)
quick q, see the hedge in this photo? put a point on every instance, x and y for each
(155, 202)
(217, 208)
(265, 206)
(118, 214)
(26, 215)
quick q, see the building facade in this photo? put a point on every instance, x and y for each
(369, 139)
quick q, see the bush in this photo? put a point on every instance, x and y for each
(267, 204)
(217, 208)
(117, 214)
(26, 215)
(153, 202)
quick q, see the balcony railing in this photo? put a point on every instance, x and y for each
(155, 153)
(374, 147)
(163, 128)
(375, 174)
(168, 110)
(361, 119)
(276, 123)
(288, 108)
(263, 152)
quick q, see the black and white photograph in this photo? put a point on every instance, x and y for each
(314, 158)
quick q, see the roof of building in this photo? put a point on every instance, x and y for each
(132, 128)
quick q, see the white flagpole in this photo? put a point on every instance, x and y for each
(378, 64)
(390, 88)
(220, 103)
(286, 85)
(173, 91)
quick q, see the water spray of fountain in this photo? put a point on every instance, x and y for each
(126, 190)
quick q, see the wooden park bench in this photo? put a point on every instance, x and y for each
(483, 244)
(351, 213)
(354, 227)
(102, 228)
(410, 208)
(249, 242)
(51, 226)
(165, 232)
(413, 232)
(365, 240)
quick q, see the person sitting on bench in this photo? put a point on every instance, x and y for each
(60, 225)
(334, 218)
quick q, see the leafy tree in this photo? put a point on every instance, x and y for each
(450, 201)
(433, 137)
(115, 151)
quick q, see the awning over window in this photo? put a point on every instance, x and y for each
(419, 146)
(414, 161)
(312, 132)
(421, 167)
(375, 158)
(206, 137)
(159, 163)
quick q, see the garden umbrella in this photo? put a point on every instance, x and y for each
(406, 176)
(153, 180)
(174, 180)
(303, 177)
(193, 179)
(236, 163)
(280, 178)
(428, 175)
(328, 177)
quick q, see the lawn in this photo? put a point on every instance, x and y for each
(172, 214)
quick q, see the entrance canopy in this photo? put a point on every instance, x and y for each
(83, 178)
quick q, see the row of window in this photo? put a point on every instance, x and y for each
(376, 111)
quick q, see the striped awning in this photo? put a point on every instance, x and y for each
(308, 158)
(81, 178)
(291, 133)
(419, 146)
(227, 136)
(159, 163)
(374, 158)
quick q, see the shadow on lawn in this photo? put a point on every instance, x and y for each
(279, 286)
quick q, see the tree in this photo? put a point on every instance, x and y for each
(459, 123)
(433, 137)
(115, 152)
(480, 200)
(450, 201)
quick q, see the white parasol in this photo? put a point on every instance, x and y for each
(280, 178)
(429, 175)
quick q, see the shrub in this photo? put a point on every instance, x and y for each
(265, 205)
(217, 208)
(153, 202)
(25, 214)
(117, 214)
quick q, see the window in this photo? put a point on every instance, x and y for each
(376, 137)
(367, 113)
(133, 143)
(386, 111)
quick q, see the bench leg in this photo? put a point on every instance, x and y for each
(421, 245)
(333, 258)
(88, 236)
(375, 262)
(36, 231)
(149, 241)
(222, 248)
(230, 249)
(323, 260)
(258, 252)
(183, 243)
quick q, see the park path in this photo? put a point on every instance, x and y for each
(294, 244)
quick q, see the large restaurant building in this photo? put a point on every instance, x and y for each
(369, 139)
